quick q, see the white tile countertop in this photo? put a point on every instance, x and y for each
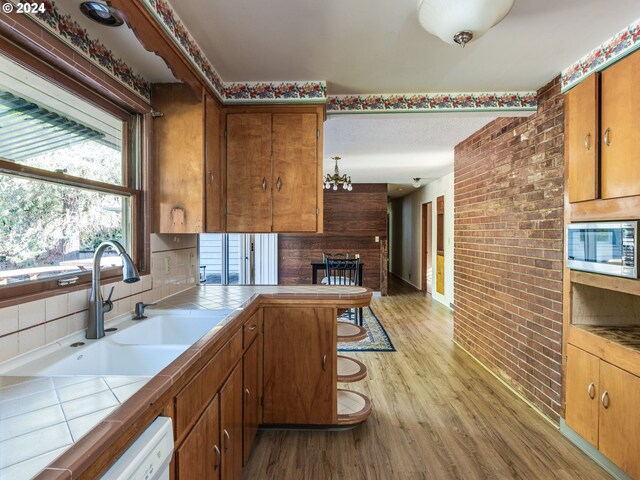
(41, 417)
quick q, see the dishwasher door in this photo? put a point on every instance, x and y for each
(148, 457)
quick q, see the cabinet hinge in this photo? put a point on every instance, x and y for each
(317, 133)
(225, 133)
(262, 401)
(224, 210)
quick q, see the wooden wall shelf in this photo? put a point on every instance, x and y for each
(620, 284)
(350, 370)
(353, 407)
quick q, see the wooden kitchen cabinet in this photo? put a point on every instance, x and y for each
(582, 137)
(620, 152)
(602, 407)
(187, 162)
(199, 456)
(252, 392)
(300, 346)
(582, 378)
(231, 428)
(619, 419)
(602, 142)
(274, 170)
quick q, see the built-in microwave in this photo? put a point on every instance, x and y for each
(603, 247)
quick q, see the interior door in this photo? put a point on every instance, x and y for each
(248, 172)
(582, 390)
(295, 181)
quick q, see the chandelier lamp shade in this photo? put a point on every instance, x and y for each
(460, 21)
(332, 182)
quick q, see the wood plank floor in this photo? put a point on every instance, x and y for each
(436, 415)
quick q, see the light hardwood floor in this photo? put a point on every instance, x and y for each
(436, 415)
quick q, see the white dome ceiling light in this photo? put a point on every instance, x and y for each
(460, 21)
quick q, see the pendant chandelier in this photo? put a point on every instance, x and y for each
(331, 182)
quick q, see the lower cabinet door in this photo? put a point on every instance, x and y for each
(231, 400)
(251, 364)
(199, 456)
(620, 418)
(582, 390)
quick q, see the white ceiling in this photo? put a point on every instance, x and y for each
(395, 148)
(378, 46)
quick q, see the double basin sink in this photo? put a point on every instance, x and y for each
(136, 348)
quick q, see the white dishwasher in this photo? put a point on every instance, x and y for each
(148, 457)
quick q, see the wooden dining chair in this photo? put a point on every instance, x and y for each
(342, 271)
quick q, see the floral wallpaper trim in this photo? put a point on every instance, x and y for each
(230, 92)
(430, 102)
(70, 32)
(276, 91)
(619, 45)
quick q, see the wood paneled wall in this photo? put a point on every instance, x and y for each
(352, 220)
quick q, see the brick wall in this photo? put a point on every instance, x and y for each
(508, 249)
(352, 220)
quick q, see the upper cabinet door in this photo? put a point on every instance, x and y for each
(295, 172)
(179, 167)
(582, 139)
(213, 160)
(620, 152)
(249, 172)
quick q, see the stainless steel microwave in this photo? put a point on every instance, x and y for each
(603, 247)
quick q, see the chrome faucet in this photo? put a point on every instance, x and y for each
(97, 306)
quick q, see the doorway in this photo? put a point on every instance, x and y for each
(427, 268)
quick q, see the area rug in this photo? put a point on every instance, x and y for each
(377, 339)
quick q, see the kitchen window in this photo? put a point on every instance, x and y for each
(68, 181)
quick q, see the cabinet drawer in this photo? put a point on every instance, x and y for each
(251, 328)
(193, 398)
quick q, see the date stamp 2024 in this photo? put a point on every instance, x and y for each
(33, 7)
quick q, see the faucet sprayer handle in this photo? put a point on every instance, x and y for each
(107, 305)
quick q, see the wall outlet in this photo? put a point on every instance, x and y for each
(377, 239)
(167, 265)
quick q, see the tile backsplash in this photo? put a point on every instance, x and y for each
(30, 325)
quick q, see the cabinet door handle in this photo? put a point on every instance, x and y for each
(227, 440)
(324, 362)
(605, 399)
(587, 141)
(247, 393)
(591, 391)
(253, 327)
(217, 452)
(211, 177)
(607, 137)
(279, 184)
(264, 184)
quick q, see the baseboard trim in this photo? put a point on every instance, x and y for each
(510, 387)
(592, 452)
(404, 280)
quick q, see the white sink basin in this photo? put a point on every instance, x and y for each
(102, 357)
(138, 348)
(170, 328)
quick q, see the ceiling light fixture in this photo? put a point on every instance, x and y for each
(102, 14)
(331, 182)
(416, 182)
(461, 21)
